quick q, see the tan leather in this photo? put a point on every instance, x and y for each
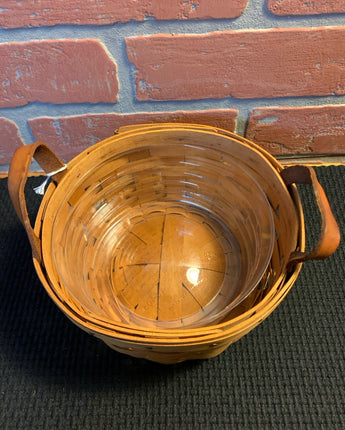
(17, 177)
(330, 234)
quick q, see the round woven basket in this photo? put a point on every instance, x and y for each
(83, 188)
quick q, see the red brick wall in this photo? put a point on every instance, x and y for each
(271, 70)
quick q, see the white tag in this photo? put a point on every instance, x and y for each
(40, 190)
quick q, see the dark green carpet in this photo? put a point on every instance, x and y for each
(288, 373)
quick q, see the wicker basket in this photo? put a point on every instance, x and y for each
(164, 343)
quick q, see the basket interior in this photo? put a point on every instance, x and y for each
(180, 210)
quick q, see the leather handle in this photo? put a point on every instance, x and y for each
(17, 177)
(330, 233)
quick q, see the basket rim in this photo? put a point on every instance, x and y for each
(214, 329)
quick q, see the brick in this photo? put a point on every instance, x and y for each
(68, 136)
(9, 140)
(302, 130)
(240, 64)
(30, 13)
(303, 7)
(56, 71)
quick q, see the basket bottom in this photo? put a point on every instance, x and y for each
(174, 265)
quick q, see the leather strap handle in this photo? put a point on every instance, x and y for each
(17, 177)
(330, 233)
